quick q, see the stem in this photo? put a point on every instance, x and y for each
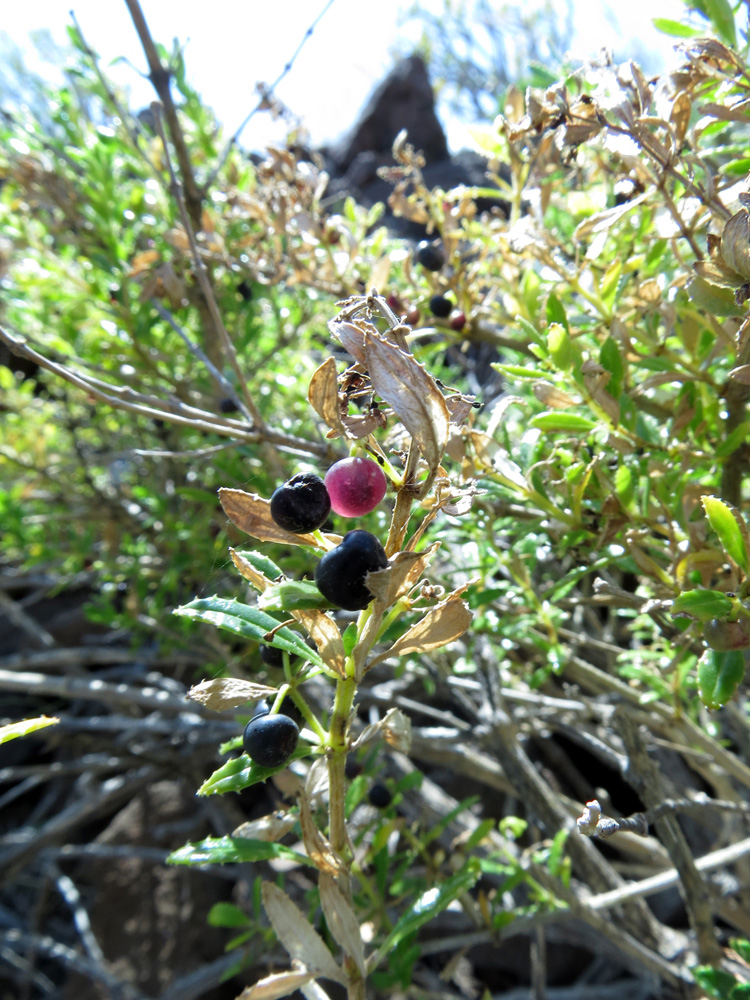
(346, 688)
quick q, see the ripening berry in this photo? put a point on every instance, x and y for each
(302, 504)
(723, 636)
(457, 320)
(340, 575)
(356, 486)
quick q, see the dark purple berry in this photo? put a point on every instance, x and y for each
(430, 255)
(379, 796)
(340, 574)
(356, 486)
(441, 306)
(228, 405)
(302, 504)
(270, 740)
(458, 320)
(271, 656)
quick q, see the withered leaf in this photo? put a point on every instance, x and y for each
(404, 570)
(280, 984)
(317, 846)
(323, 395)
(223, 693)
(405, 384)
(396, 728)
(259, 580)
(351, 336)
(270, 828)
(342, 920)
(440, 625)
(252, 514)
(300, 939)
(735, 243)
(679, 116)
(324, 632)
(741, 374)
(553, 397)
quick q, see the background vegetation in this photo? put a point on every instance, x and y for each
(165, 303)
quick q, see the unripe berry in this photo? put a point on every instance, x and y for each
(270, 740)
(302, 504)
(723, 636)
(340, 574)
(355, 486)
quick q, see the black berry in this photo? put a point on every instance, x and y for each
(430, 255)
(271, 656)
(379, 796)
(340, 574)
(302, 504)
(441, 306)
(228, 405)
(270, 740)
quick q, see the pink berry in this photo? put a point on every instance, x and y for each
(356, 486)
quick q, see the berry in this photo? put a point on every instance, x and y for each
(413, 316)
(270, 740)
(302, 504)
(228, 405)
(457, 320)
(356, 486)
(379, 796)
(352, 768)
(340, 574)
(440, 306)
(271, 656)
(430, 255)
(723, 636)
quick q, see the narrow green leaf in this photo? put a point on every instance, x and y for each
(610, 358)
(557, 421)
(675, 28)
(15, 729)
(556, 312)
(432, 902)
(560, 347)
(241, 773)
(733, 440)
(702, 604)
(293, 595)
(261, 563)
(724, 521)
(250, 623)
(719, 675)
(232, 850)
(227, 915)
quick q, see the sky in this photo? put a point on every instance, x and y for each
(232, 44)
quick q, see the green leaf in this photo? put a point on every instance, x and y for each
(702, 604)
(556, 312)
(674, 28)
(15, 729)
(432, 902)
(733, 440)
(715, 982)
(293, 595)
(248, 622)
(240, 773)
(611, 359)
(721, 16)
(725, 522)
(261, 563)
(227, 915)
(232, 850)
(349, 638)
(719, 675)
(557, 421)
(560, 347)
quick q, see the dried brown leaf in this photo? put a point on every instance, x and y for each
(325, 633)
(553, 397)
(323, 395)
(405, 384)
(300, 939)
(735, 243)
(252, 514)
(317, 846)
(679, 116)
(396, 728)
(351, 336)
(741, 374)
(270, 828)
(342, 921)
(440, 625)
(404, 570)
(280, 984)
(223, 693)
